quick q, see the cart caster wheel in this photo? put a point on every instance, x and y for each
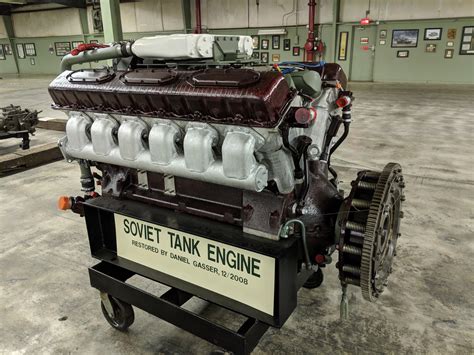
(315, 280)
(122, 315)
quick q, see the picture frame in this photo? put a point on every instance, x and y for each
(433, 34)
(62, 48)
(450, 44)
(467, 41)
(343, 38)
(2, 52)
(403, 54)
(364, 40)
(452, 33)
(275, 58)
(93, 41)
(256, 55)
(449, 53)
(7, 49)
(405, 38)
(286, 44)
(20, 50)
(296, 51)
(430, 48)
(75, 44)
(382, 42)
(383, 34)
(276, 42)
(265, 43)
(255, 42)
(30, 49)
(264, 57)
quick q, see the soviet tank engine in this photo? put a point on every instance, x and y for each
(215, 179)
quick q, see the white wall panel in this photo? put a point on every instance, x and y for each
(64, 22)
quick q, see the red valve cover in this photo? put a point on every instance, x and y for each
(230, 96)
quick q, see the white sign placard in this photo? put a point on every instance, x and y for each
(236, 273)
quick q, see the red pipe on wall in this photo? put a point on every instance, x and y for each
(198, 28)
(309, 45)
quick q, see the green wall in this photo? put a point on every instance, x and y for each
(420, 66)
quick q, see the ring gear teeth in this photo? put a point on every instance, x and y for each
(377, 190)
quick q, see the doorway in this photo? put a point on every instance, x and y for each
(363, 53)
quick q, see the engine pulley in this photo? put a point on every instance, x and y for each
(368, 229)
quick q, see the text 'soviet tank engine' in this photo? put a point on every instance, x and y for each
(189, 135)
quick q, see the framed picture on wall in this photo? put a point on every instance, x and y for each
(449, 53)
(275, 58)
(30, 49)
(404, 38)
(383, 34)
(7, 49)
(20, 50)
(264, 57)
(430, 48)
(76, 44)
(433, 34)
(296, 51)
(452, 33)
(467, 41)
(2, 52)
(403, 54)
(255, 55)
(276, 42)
(265, 43)
(286, 44)
(93, 41)
(62, 48)
(255, 42)
(343, 37)
(450, 44)
(382, 42)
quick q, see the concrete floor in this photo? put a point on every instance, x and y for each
(428, 307)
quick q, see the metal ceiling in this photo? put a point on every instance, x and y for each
(7, 6)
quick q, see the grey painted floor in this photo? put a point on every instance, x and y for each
(428, 308)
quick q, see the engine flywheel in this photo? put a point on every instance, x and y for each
(368, 229)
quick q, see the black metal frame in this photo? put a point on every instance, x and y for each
(24, 135)
(111, 273)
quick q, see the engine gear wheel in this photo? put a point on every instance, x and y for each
(368, 229)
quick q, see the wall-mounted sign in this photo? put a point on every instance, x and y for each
(296, 51)
(403, 54)
(404, 38)
(276, 42)
(433, 34)
(20, 50)
(265, 43)
(255, 42)
(75, 44)
(7, 49)
(30, 49)
(264, 57)
(382, 42)
(452, 33)
(430, 48)
(2, 52)
(467, 41)
(62, 48)
(343, 36)
(286, 44)
(448, 53)
(364, 40)
(450, 44)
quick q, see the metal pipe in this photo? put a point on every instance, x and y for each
(309, 46)
(112, 52)
(198, 28)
